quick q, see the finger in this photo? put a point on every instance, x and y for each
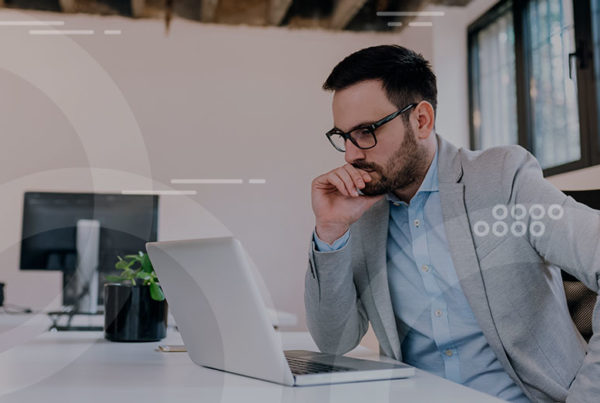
(336, 181)
(366, 176)
(356, 176)
(348, 181)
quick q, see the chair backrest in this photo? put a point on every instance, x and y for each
(580, 299)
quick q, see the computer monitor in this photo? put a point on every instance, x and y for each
(48, 239)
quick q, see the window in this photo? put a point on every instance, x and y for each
(531, 81)
(595, 12)
(550, 37)
(494, 117)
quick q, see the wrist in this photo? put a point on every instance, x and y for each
(329, 233)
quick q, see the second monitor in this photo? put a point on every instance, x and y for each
(49, 233)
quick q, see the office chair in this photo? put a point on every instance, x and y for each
(580, 299)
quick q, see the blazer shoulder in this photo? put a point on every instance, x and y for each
(493, 171)
(493, 157)
(494, 163)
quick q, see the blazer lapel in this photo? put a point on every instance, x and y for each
(462, 248)
(375, 244)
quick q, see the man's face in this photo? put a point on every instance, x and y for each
(398, 159)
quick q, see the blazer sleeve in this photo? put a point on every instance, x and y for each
(335, 316)
(568, 236)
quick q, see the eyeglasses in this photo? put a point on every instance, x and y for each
(363, 136)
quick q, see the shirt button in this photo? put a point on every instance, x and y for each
(417, 223)
(425, 268)
(438, 313)
(448, 353)
(396, 204)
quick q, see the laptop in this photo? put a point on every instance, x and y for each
(225, 326)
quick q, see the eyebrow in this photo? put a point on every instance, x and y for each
(358, 126)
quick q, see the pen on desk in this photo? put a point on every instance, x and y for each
(171, 348)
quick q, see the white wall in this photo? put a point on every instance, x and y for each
(450, 56)
(133, 111)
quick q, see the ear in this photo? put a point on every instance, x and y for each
(425, 119)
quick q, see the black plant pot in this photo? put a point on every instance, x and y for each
(130, 314)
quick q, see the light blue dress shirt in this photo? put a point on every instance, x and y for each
(442, 334)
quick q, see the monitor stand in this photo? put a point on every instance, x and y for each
(63, 321)
(83, 284)
(80, 288)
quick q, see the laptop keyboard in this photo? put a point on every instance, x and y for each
(304, 367)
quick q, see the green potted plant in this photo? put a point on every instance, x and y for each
(135, 308)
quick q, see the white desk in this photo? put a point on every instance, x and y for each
(84, 367)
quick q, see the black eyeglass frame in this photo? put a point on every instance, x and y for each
(371, 128)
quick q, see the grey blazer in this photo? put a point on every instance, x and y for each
(512, 281)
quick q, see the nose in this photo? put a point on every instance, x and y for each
(353, 153)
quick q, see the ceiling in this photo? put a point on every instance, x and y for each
(354, 15)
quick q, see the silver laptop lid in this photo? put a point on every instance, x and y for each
(218, 308)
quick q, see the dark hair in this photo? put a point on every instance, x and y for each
(406, 75)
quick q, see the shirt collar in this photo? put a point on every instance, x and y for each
(430, 183)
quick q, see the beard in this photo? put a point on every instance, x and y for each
(404, 167)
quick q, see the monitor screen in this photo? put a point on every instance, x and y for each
(127, 222)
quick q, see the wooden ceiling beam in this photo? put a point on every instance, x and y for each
(344, 11)
(209, 10)
(67, 6)
(137, 8)
(277, 11)
(451, 3)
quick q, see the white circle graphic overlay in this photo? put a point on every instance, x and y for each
(518, 211)
(518, 228)
(481, 228)
(537, 211)
(556, 211)
(537, 228)
(500, 212)
(500, 228)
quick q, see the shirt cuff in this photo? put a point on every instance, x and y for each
(338, 244)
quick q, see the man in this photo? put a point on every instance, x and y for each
(452, 255)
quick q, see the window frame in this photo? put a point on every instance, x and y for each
(584, 69)
(488, 18)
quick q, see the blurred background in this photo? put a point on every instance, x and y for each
(217, 107)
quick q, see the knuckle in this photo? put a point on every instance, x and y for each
(353, 172)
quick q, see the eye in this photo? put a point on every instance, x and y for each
(361, 132)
